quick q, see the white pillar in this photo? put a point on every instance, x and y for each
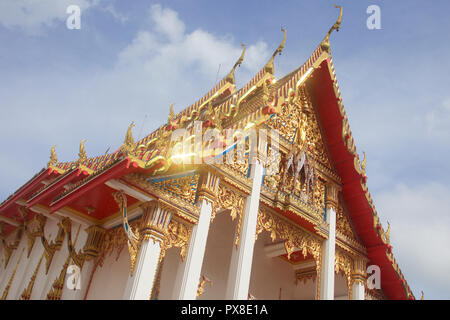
(359, 278)
(328, 249)
(358, 291)
(188, 275)
(140, 284)
(242, 257)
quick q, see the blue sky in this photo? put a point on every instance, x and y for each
(131, 59)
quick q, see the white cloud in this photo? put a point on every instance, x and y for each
(168, 48)
(151, 72)
(31, 16)
(437, 121)
(420, 233)
(167, 21)
(117, 15)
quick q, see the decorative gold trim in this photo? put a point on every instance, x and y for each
(154, 295)
(8, 249)
(133, 236)
(8, 286)
(30, 236)
(201, 285)
(344, 263)
(178, 235)
(230, 200)
(293, 235)
(183, 209)
(57, 288)
(49, 247)
(26, 294)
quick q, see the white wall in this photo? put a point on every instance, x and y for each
(306, 290)
(270, 274)
(340, 287)
(216, 261)
(109, 281)
(172, 261)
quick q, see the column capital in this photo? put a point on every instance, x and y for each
(331, 200)
(359, 274)
(209, 186)
(93, 242)
(156, 218)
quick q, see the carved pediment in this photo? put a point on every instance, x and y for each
(305, 165)
(300, 110)
(345, 229)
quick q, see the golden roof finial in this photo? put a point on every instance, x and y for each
(128, 144)
(363, 164)
(53, 158)
(388, 232)
(82, 157)
(129, 140)
(269, 65)
(326, 41)
(230, 77)
(171, 114)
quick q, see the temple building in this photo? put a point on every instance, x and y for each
(286, 215)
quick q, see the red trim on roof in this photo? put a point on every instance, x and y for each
(27, 188)
(56, 186)
(354, 194)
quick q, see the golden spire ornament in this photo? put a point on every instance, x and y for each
(230, 77)
(363, 164)
(128, 144)
(171, 114)
(326, 41)
(129, 140)
(53, 158)
(269, 67)
(82, 157)
(388, 232)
